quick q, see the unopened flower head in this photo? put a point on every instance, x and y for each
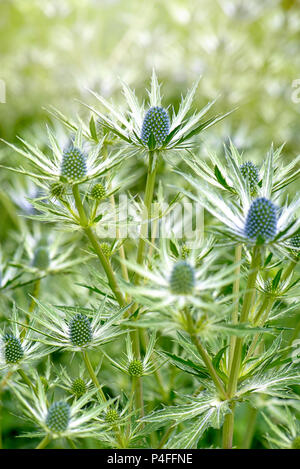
(296, 443)
(13, 350)
(73, 166)
(106, 249)
(57, 190)
(98, 192)
(182, 280)
(156, 124)
(79, 387)
(136, 368)
(111, 416)
(261, 221)
(58, 417)
(250, 172)
(80, 330)
(295, 244)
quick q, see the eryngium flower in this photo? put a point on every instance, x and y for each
(296, 443)
(57, 190)
(135, 368)
(80, 330)
(13, 351)
(182, 280)
(295, 243)
(261, 221)
(250, 173)
(78, 387)
(111, 416)
(157, 124)
(73, 166)
(58, 417)
(98, 192)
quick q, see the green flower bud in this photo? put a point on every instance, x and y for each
(111, 416)
(185, 252)
(98, 192)
(57, 190)
(135, 368)
(295, 243)
(182, 281)
(58, 417)
(80, 330)
(78, 387)
(296, 443)
(250, 172)
(13, 351)
(106, 249)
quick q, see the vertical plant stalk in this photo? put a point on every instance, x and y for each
(35, 294)
(92, 374)
(135, 335)
(204, 355)
(236, 361)
(45, 441)
(250, 428)
(236, 289)
(95, 244)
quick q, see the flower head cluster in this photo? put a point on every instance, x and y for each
(60, 418)
(250, 173)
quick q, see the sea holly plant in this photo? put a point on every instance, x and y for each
(184, 323)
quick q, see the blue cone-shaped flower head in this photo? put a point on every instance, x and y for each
(157, 124)
(58, 417)
(80, 330)
(13, 351)
(261, 221)
(250, 172)
(73, 166)
(182, 280)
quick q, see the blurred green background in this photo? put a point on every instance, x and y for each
(247, 52)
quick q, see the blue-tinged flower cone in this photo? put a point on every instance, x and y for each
(182, 279)
(73, 166)
(80, 330)
(58, 417)
(261, 221)
(156, 122)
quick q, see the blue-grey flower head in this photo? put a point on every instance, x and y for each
(156, 122)
(13, 351)
(261, 221)
(250, 172)
(182, 280)
(80, 330)
(58, 417)
(73, 166)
